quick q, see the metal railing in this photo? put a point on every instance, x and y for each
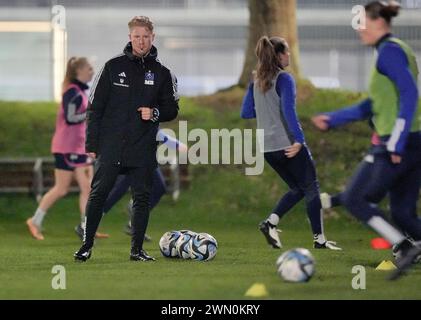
(26, 175)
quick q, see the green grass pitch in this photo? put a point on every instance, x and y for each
(221, 201)
(243, 257)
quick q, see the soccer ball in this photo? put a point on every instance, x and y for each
(182, 245)
(210, 237)
(167, 244)
(203, 247)
(296, 265)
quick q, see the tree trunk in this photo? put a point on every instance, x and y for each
(271, 18)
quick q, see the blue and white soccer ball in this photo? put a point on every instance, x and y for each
(182, 245)
(296, 265)
(167, 244)
(210, 237)
(203, 247)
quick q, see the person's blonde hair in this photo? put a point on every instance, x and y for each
(73, 65)
(141, 21)
(268, 64)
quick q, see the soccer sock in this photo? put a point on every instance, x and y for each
(320, 238)
(83, 221)
(273, 219)
(326, 200)
(386, 230)
(38, 217)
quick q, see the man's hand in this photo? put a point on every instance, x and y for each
(292, 151)
(145, 113)
(92, 155)
(396, 159)
(321, 121)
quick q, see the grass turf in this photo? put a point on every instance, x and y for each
(243, 257)
(221, 201)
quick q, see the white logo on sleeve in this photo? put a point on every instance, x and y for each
(122, 74)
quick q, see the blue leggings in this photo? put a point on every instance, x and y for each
(122, 185)
(359, 177)
(375, 179)
(299, 174)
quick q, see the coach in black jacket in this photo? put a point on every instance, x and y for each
(132, 93)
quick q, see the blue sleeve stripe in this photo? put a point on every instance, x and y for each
(396, 135)
(285, 87)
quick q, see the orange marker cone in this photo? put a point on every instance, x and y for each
(380, 244)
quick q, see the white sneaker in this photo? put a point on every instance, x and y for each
(271, 233)
(326, 201)
(327, 245)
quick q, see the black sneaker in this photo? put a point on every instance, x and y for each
(83, 254)
(271, 234)
(140, 255)
(407, 259)
(400, 249)
(406, 254)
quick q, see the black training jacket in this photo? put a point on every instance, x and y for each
(115, 131)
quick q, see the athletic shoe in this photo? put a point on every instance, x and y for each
(140, 255)
(326, 245)
(271, 234)
(326, 200)
(408, 255)
(400, 248)
(34, 229)
(83, 254)
(79, 231)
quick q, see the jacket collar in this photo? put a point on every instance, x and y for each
(151, 55)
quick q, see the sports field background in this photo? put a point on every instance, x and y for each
(221, 200)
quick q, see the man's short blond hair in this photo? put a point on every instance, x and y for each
(141, 21)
